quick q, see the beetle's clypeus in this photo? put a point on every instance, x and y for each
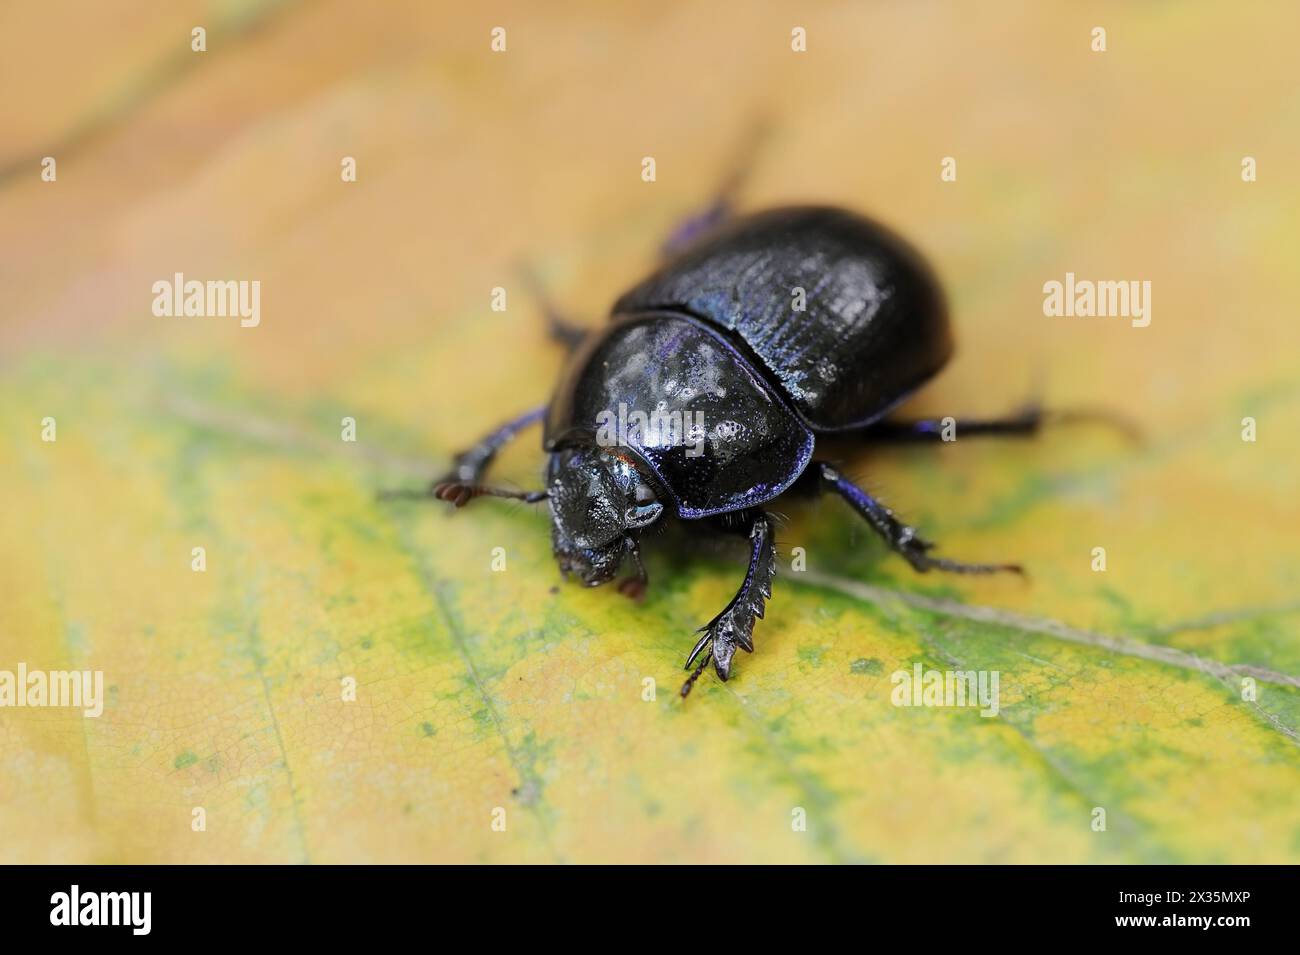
(713, 344)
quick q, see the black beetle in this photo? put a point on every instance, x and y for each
(755, 339)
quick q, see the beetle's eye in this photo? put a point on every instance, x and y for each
(643, 495)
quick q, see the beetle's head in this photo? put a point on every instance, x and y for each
(598, 499)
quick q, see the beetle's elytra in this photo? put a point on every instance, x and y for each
(753, 341)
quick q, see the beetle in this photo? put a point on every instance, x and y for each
(759, 336)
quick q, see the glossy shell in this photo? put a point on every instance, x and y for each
(874, 327)
(717, 435)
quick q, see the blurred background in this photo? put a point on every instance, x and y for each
(479, 691)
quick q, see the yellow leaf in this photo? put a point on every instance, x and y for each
(351, 680)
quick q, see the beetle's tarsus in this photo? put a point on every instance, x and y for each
(1103, 416)
(457, 494)
(915, 550)
(1027, 422)
(1024, 423)
(460, 494)
(925, 563)
(690, 680)
(470, 466)
(403, 494)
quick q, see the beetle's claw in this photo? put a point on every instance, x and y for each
(695, 674)
(700, 645)
(456, 493)
(632, 587)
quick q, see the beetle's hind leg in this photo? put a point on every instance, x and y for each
(901, 538)
(1024, 423)
(734, 626)
(562, 329)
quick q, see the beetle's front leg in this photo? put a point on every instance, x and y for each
(902, 538)
(634, 586)
(734, 627)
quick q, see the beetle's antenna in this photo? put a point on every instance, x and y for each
(690, 680)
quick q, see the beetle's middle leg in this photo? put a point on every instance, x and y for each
(470, 466)
(723, 204)
(462, 483)
(901, 538)
(734, 626)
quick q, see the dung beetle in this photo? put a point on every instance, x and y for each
(705, 396)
